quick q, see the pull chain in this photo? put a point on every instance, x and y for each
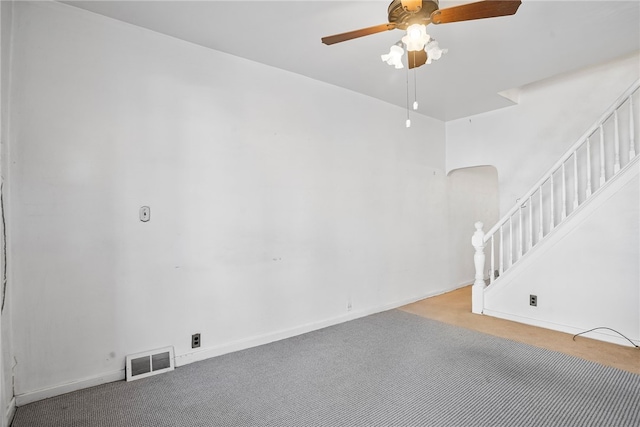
(415, 89)
(408, 122)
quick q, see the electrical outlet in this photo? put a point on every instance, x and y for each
(195, 340)
(533, 300)
(145, 213)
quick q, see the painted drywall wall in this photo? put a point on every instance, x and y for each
(7, 403)
(523, 141)
(472, 194)
(278, 204)
(587, 275)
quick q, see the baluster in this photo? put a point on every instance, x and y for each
(564, 195)
(492, 275)
(616, 143)
(510, 241)
(478, 287)
(632, 136)
(520, 233)
(552, 216)
(530, 245)
(588, 191)
(501, 251)
(575, 180)
(602, 175)
(541, 230)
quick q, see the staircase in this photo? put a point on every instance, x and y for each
(599, 158)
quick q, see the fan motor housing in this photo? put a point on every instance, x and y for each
(403, 18)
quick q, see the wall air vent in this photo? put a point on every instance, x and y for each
(147, 363)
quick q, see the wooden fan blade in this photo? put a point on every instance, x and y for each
(417, 58)
(478, 10)
(358, 33)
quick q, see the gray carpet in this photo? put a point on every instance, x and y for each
(389, 369)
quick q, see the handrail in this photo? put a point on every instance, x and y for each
(508, 246)
(603, 118)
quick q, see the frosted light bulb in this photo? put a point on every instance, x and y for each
(415, 105)
(416, 37)
(414, 32)
(434, 52)
(408, 123)
(394, 57)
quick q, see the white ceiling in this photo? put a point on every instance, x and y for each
(543, 39)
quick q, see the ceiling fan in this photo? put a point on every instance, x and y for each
(414, 15)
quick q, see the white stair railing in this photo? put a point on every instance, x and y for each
(601, 152)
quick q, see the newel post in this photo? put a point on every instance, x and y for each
(477, 291)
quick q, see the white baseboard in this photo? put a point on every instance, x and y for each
(11, 411)
(596, 335)
(462, 285)
(206, 353)
(33, 396)
(209, 352)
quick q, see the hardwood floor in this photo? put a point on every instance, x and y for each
(455, 308)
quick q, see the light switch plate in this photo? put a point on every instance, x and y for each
(145, 213)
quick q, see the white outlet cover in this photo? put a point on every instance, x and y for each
(145, 213)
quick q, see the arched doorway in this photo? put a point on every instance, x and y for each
(472, 195)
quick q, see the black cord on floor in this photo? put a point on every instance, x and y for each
(604, 327)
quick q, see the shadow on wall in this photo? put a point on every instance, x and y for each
(472, 196)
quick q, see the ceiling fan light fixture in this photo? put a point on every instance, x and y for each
(394, 57)
(434, 52)
(411, 6)
(416, 37)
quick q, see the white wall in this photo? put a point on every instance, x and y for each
(7, 405)
(587, 274)
(276, 201)
(523, 141)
